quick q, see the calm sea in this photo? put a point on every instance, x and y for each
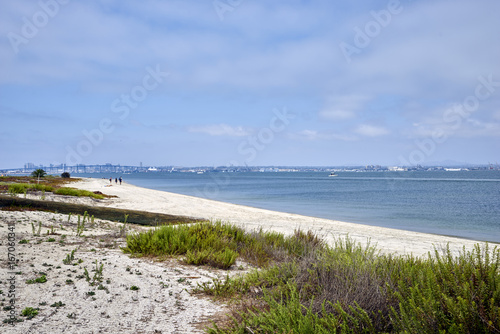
(464, 204)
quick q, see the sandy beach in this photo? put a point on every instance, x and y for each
(163, 302)
(68, 302)
(387, 240)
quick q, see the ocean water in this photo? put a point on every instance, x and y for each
(463, 204)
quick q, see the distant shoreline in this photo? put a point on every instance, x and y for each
(109, 168)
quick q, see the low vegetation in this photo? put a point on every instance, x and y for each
(69, 258)
(77, 192)
(47, 179)
(218, 244)
(97, 277)
(41, 279)
(23, 185)
(302, 285)
(23, 188)
(29, 312)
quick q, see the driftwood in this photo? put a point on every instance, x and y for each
(134, 216)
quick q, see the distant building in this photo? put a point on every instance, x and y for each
(397, 169)
(29, 165)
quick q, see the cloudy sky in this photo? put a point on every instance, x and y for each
(249, 82)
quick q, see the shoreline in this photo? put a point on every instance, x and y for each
(387, 240)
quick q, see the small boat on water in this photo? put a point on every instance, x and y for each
(332, 174)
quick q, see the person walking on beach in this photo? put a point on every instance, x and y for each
(120, 179)
(116, 180)
(110, 180)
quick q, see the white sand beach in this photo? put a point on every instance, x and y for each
(387, 240)
(163, 303)
(67, 302)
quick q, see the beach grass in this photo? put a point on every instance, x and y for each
(302, 285)
(21, 188)
(77, 192)
(218, 244)
(348, 289)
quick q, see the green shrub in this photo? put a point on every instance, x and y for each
(18, 188)
(219, 245)
(223, 259)
(352, 289)
(225, 288)
(21, 188)
(58, 304)
(68, 191)
(309, 287)
(287, 314)
(41, 279)
(29, 312)
(450, 294)
(41, 187)
(77, 192)
(65, 175)
(204, 243)
(198, 258)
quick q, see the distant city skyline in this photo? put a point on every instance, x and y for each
(107, 167)
(258, 83)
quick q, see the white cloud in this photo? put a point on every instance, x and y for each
(464, 128)
(451, 120)
(313, 135)
(221, 130)
(94, 52)
(337, 114)
(442, 57)
(476, 128)
(342, 107)
(371, 130)
(272, 53)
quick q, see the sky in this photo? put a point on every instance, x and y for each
(249, 82)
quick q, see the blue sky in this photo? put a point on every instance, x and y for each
(249, 82)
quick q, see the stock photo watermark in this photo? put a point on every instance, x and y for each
(252, 145)
(122, 107)
(11, 275)
(249, 149)
(453, 119)
(371, 29)
(31, 26)
(223, 7)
